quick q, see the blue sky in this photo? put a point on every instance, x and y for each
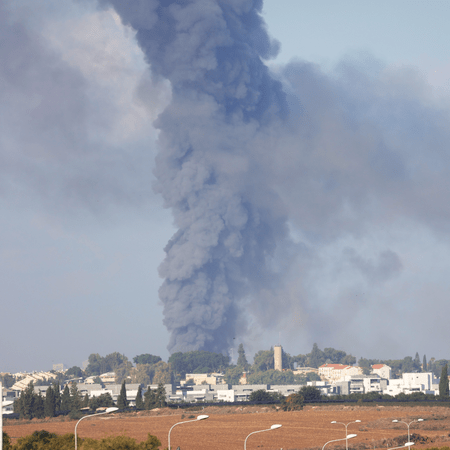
(83, 232)
(398, 32)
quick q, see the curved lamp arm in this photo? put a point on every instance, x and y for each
(273, 427)
(201, 417)
(343, 439)
(108, 410)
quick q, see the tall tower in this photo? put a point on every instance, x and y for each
(278, 357)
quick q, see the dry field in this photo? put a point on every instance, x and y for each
(227, 427)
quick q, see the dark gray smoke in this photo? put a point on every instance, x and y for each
(229, 219)
(353, 166)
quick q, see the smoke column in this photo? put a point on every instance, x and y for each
(229, 220)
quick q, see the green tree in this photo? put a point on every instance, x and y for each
(363, 362)
(263, 360)
(101, 401)
(150, 401)
(139, 399)
(123, 372)
(293, 402)
(424, 364)
(438, 365)
(7, 380)
(300, 360)
(316, 358)
(96, 365)
(41, 440)
(57, 395)
(122, 401)
(49, 403)
(74, 372)
(432, 366)
(242, 360)
(333, 356)
(75, 398)
(163, 373)
(233, 375)
(261, 396)
(85, 401)
(24, 405)
(417, 364)
(38, 406)
(155, 398)
(146, 358)
(443, 383)
(121, 443)
(143, 374)
(312, 376)
(271, 377)
(151, 443)
(198, 361)
(66, 404)
(37, 440)
(161, 395)
(311, 394)
(114, 362)
(6, 442)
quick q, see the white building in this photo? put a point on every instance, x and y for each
(383, 370)
(204, 378)
(32, 378)
(361, 384)
(336, 372)
(413, 382)
(108, 378)
(225, 395)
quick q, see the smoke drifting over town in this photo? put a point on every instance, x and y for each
(240, 158)
(304, 202)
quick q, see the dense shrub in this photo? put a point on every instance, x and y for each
(293, 402)
(43, 440)
(121, 443)
(6, 442)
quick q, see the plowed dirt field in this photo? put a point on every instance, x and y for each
(227, 427)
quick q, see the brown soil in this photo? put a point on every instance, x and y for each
(227, 427)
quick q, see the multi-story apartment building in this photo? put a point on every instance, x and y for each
(336, 372)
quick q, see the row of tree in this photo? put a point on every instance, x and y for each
(31, 404)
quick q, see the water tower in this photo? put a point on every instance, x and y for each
(278, 357)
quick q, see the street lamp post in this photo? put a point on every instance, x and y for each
(346, 426)
(202, 417)
(107, 411)
(349, 436)
(408, 424)
(273, 427)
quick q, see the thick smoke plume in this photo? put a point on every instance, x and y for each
(229, 220)
(351, 166)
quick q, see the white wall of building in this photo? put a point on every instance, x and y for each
(226, 395)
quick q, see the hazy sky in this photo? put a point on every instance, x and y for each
(83, 232)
